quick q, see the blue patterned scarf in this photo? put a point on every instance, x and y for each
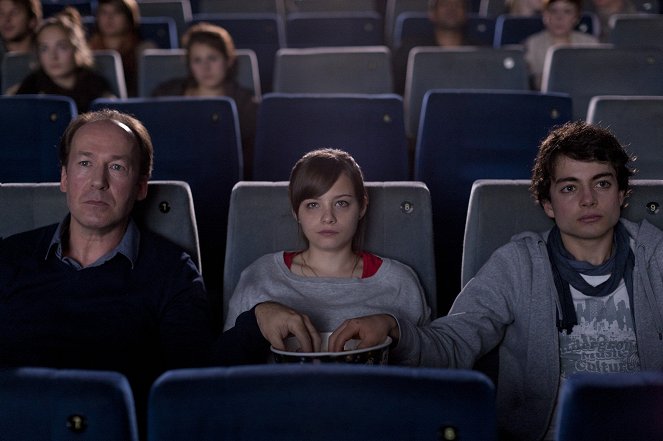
(567, 271)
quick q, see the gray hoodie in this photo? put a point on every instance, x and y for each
(512, 302)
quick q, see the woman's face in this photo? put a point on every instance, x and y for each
(207, 65)
(560, 17)
(330, 221)
(111, 22)
(56, 53)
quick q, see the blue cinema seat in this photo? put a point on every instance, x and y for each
(348, 28)
(321, 402)
(620, 406)
(30, 128)
(66, 405)
(469, 135)
(636, 122)
(369, 127)
(624, 71)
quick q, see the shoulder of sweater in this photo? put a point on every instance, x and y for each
(528, 243)
(28, 242)
(644, 233)
(154, 244)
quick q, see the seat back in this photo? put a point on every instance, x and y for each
(263, 33)
(639, 30)
(365, 69)
(326, 402)
(393, 8)
(327, 6)
(239, 6)
(178, 10)
(17, 65)
(84, 7)
(611, 406)
(31, 127)
(461, 68)
(373, 132)
(624, 71)
(491, 222)
(167, 211)
(514, 29)
(415, 25)
(109, 64)
(636, 122)
(159, 65)
(162, 31)
(316, 29)
(196, 140)
(398, 226)
(59, 405)
(469, 135)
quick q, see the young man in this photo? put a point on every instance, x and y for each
(585, 296)
(18, 21)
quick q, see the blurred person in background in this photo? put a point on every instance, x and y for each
(66, 64)
(560, 17)
(117, 28)
(212, 66)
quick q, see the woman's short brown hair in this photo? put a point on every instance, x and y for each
(317, 171)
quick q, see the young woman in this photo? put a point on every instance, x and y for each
(560, 17)
(65, 62)
(332, 278)
(211, 62)
(117, 28)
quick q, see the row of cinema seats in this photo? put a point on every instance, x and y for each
(351, 402)
(275, 402)
(265, 30)
(367, 70)
(463, 136)
(359, 22)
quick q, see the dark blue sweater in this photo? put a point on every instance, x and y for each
(139, 321)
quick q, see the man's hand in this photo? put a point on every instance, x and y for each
(278, 322)
(371, 330)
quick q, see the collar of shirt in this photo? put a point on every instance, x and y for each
(128, 246)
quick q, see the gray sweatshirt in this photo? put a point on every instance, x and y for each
(512, 302)
(394, 289)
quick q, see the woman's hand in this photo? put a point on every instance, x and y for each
(371, 330)
(278, 322)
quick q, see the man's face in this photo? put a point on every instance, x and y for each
(15, 23)
(585, 202)
(102, 178)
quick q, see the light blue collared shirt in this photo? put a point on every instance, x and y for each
(128, 246)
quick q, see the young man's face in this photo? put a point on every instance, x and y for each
(585, 202)
(15, 22)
